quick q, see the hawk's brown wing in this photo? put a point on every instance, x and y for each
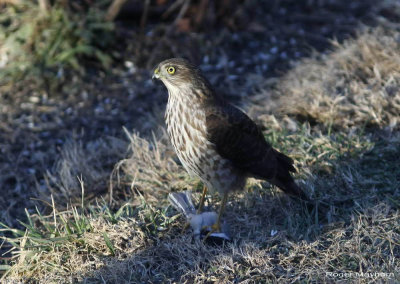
(239, 140)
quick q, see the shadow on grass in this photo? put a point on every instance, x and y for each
(276, 239)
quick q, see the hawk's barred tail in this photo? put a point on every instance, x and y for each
(287, 184)
(284, 180)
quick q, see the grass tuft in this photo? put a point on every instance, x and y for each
(152, 169)
(92, 162)
(356, 85)
(55, 245)
(39, 44)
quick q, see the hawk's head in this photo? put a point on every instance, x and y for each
(179, 74)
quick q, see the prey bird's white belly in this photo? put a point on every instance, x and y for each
(186, 126)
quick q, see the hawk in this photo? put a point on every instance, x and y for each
(216, 141)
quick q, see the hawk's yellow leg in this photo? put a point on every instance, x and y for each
(217, 226)
(203, 197)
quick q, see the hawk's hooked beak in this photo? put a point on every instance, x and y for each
(156, 74)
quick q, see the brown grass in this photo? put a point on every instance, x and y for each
(356, 85)
(151, 164)
(90, 162)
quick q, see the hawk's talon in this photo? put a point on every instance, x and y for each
(215, 228)
(185, 227)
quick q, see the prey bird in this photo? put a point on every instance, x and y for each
(216, 141)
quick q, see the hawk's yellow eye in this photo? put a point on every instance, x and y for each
(171, 70)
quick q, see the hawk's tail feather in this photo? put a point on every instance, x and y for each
(288, 186)
(284, 162)
(284, 180)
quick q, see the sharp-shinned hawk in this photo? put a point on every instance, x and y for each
(216, 141)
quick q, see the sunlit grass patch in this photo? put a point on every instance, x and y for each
(315, 150)
(43, 44)
(71, 242)
(151, 169)
(355, 85)
(92, 162)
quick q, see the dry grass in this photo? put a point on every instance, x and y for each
(151, 165)
(36, 45)
(357, 85)
(90, 162)
(275, 238)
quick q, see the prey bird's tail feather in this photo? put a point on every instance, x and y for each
(182, 201)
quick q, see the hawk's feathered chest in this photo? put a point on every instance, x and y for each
(187, 128)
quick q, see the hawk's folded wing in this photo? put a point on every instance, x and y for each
(238, 139)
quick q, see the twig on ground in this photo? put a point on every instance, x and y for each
(44, 5)
(114, 9)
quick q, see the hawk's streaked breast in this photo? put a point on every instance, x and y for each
(186, 126)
